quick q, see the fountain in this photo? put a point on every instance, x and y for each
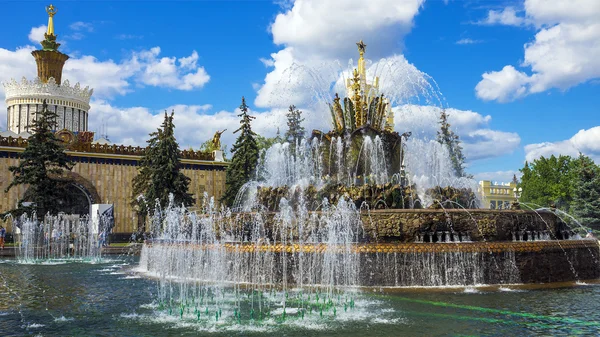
(339, 211)
(61, 237)
(333, 223)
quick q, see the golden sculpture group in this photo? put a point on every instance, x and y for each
(363, 106)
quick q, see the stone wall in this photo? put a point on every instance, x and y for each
(403, 225)
(482, 224)
(109, 178)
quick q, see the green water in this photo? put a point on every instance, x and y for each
(109, 299)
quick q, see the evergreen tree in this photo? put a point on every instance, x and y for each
(295, 131)
(42, 162)
(143, 180)
(446, 136)
(586, 193)
(160, 172)
(244, 159)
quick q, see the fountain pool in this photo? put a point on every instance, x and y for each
(110, 298)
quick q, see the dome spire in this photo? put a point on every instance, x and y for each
(49, 60)
(51, 10)
(49, 42)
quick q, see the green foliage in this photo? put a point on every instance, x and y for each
(245, 157)
(446, 136)
(265, 143)
(586, 192)
(548, 181)
(42, 162)
(160, 171)
(295, 131)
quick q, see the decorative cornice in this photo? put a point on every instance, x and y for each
(27, 89)
(110, 149)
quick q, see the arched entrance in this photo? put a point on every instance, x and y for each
(75, 200)
(79, 194)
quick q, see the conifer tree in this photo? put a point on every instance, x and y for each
(446, 136)
(244, 159)
(295, 131)
(515, 180)
(160, 171)
(586, 193)
(43, 160)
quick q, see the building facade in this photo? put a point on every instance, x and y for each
(496, 195)
(103, 173)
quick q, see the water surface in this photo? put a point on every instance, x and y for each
(108, 298)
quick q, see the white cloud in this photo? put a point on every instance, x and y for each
(468, 41)
(170, 72)
(37, 34)
(503, 86)
(565, 52)
(545, 12)
(194, 124)
(507, 16)
(478, 140)
(316, 33)
(108, 78)
(584, 141)
(324, 27)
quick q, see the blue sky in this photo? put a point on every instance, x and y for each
(542, 60)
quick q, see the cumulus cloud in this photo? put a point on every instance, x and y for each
(324, 27)
(507, 16)
(170, 72)
(584, 141)
(479, 141)
(37, 34)
(194, 124)
(564, 53)
(316, 34)
(503, 86)
(110, 78)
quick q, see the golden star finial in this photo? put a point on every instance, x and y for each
(51, 10)
(361, 47)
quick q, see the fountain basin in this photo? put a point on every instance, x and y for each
(405, 225)
(379, 264)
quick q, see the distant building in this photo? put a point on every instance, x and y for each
(496, 195)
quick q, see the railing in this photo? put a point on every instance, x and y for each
(109, 149)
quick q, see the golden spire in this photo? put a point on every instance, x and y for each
(49, 60)
(51, 10)
(361, 60)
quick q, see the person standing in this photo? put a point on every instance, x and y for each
(2, 235)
